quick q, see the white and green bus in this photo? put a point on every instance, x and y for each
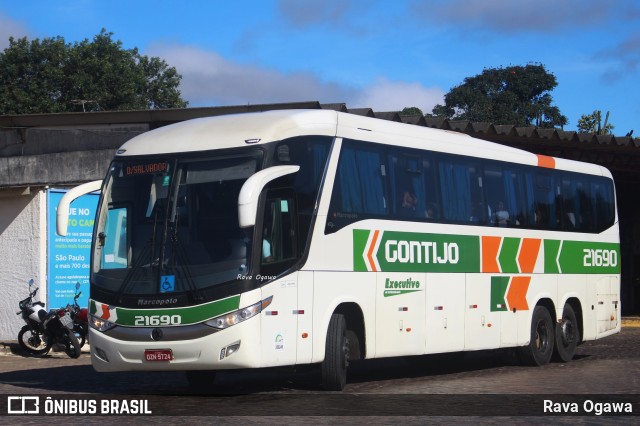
(320, 237)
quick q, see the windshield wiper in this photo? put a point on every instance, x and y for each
(135, 268)
(178, 253)
(147, 250)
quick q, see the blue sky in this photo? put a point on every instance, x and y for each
(366, 53)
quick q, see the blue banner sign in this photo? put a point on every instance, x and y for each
(69, 256)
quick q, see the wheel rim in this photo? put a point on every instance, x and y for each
(567, 332)
(542, 337)
(34, 340)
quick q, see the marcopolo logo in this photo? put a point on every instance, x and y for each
(389, 251)
(394, 288)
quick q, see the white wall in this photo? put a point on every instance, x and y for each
(22, 253)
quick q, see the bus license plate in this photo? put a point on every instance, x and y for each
(158, 355)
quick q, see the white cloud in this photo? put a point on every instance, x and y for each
(10, 28)
(625, 59)
(208, 79)
(509, 16)
(314, 12)
(385, 95)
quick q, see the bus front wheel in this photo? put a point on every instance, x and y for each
(540, 348)
(336, 357)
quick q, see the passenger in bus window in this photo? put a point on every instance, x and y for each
(266, 247)
(502, 215)
(432, 211)
(409, 203)
(474, 215)
(570, 216)
(540, 217)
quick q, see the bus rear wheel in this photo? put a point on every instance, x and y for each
(567, 336)
(336, 357)
(540, 348)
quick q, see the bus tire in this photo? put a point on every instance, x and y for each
(336, 357)
(567, 336)
(540, 348)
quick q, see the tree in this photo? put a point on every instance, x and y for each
(49, 75)
(592, 123)
(517, 95)
(411, 111)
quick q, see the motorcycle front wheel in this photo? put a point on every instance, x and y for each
(34, 342)
(72, 346)
(80, 333)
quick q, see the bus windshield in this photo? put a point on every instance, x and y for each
(171, 225)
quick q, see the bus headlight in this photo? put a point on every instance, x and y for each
(235, 317)
(100, 324)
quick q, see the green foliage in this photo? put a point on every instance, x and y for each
(592, 123)
(517, 95)
(49, 75)
(411, 111)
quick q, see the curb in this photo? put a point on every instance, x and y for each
(631, 321)
(13, 348)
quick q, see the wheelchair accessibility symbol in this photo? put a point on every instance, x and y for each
(167, 283)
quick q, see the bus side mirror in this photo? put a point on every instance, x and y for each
(250, 192)
(62, 214)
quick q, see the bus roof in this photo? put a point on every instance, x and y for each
(232, 131)
(238, 130)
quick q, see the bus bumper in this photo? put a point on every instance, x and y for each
(232, 348)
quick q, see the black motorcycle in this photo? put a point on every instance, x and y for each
(80, 318)
(43, 330)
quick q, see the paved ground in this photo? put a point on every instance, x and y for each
(409, 387)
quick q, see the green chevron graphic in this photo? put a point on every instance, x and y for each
(508, 254)
(498, 293)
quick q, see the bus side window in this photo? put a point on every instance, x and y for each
(604, 209)
(359, 187)
(407, 182)
(545, 201)
(458, 189)
(279, 238)
(115, 243)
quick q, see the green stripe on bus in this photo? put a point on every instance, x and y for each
(188, 315)
(579, 257)
(418, 252)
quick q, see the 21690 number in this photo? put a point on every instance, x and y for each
(600, 257)
(154, 320)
